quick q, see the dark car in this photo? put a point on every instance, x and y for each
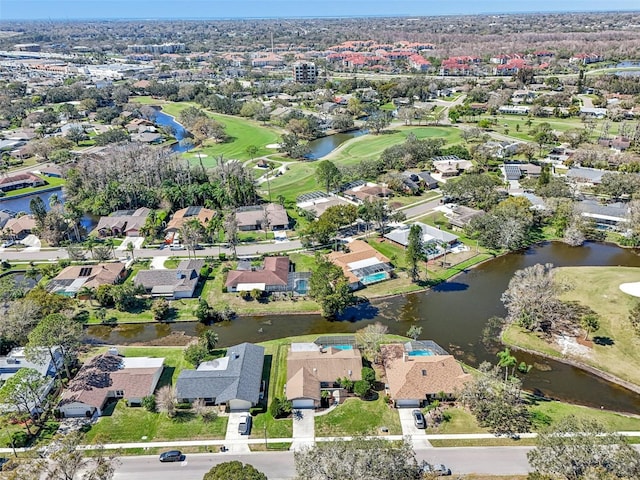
(418, 419)
(437, 468)
(171, 456)
(245, 425)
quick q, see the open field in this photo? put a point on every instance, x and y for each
(614, 348)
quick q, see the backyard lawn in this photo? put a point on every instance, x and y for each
(614, 348)
(52, 182)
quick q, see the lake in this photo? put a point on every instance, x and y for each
(454, 314)
(324, 145)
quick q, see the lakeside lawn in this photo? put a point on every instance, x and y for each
(52, 182)
(242, 132)
(614, 349)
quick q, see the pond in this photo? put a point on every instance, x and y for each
(162, 119)
(324, 145)
(454, 315)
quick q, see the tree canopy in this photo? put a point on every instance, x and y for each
(330, 288)
(234, 470)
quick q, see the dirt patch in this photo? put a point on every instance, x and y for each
(570, 346)
(174, 339)
(586, 343)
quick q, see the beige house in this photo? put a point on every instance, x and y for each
(415, 375)
(362, 264)
(312, 368)
(110, 376)
(75, 277)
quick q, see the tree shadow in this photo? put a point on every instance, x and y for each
(450, 287)
(604, 341)
(361, 311)
(183, 416)
(166, 377)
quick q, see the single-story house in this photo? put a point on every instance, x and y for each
(320, 205)
(171, 283)
(450, 165)
(368, 192)
(459, 216)
(42, 362)
(20, 227)
(275, 276)
(312, 368)
(5, 216)
(49, 171)
(123, 222)
(20, 180)
(178, 219)
(427, 180)
(110, 376)
(434, 240)
(262, 217)
(515, 171)
(612, 216)
(234, 380)
(74, 277)
(362, 264)
(416, 373)
(586, 176)
(147, 137)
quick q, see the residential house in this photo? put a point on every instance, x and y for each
(49, 171)
(515, 171)
(459, 216)
(450, 165)
(123, 222)
(110, 376)
(74, 278)
(427, 181)
(180, 217)
(593, 112)
(312, 368)
(417, 372)
(171, 283)
(262, 217)
(5, 216)
(20, 180)
(367, 192)
(147, 137)
(319, 204)
(42, 361)
(586, 176)
(435, 241)
(20, 227)
(362, 264)
(514, 109)
(234, 380)
(275, 276)
(617, 143)
(611, 216)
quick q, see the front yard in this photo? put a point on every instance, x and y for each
(359, 417)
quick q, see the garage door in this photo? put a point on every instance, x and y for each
(303, 403)
(408, 404)
(75, 411)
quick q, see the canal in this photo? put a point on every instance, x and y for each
(454, 314)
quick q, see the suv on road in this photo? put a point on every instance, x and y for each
(418, 419)
(245, 425)
(171, 456)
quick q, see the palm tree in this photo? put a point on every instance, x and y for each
(130, 249)
(90, 243)
(506, 360)
(88, 293)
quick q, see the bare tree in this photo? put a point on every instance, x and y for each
(370, 337)
(166, 400)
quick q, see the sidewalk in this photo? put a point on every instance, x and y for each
(258, 441)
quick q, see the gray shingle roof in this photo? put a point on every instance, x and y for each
(239, 380)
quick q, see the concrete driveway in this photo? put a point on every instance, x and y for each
(236, 443)
(157, 263)
(304, 429)
(409, 429)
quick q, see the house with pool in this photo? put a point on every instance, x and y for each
(362, 264)
(418, 371)
(276, 275)
(314, 368)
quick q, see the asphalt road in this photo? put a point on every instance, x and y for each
(421, 209)
(280, 465)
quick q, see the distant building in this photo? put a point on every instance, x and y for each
(27, 47)
(305, 72)
(20, 180)
(157, 49)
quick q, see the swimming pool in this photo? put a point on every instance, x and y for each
(374, 277)
(420, 353)
(342, 347)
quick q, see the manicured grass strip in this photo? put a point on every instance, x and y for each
(359, 417)
(52, 183)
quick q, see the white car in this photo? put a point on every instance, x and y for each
(7, 244)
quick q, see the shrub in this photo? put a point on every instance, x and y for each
(19, 439)
(280, 407)
(361, 388)
(149, 403)
(369, 375)
(222, 256)
(160, 309)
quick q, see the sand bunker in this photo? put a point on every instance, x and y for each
(631, 288)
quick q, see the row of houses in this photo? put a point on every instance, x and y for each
(415, 371)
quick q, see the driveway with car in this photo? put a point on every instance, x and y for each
(409, 428)
(236, 441)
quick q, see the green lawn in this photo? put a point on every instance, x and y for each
(298, 179)
(242, 132)
(52, 182)
(359, 417)
(615, 349)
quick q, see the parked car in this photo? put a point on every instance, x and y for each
(437, 468)
(171, 456)
(178, 247)
(7, 244)
(418, 419)
(245, 425)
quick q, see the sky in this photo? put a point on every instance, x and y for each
(209, 9)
